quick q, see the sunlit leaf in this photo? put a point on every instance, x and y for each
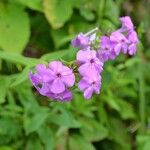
(14, 28)
(57, 12)
(18, 58)
(33, 4)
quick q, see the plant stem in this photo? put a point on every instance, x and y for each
(92, 31)
(142, 103)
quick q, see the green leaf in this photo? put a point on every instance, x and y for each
(143, 142)
(57, 12)
(55, 55)
(107, 26)
(61, 141)
(18, 58)
(132, 62)
(126, 111)
(100, 9)
(87, 14)
(85, 108)
(27, 98)
(33, 4)
(33, 123)
(93, 130)
(4, 86)
(33, 143)
(77, 142)
(21, 77)
(9, 127)
(61, 37)
(46, 137)
(119, 134)
(3, 92)
(65, 119)
(111, 101)
(112, 11)
(6, 148)
(14, 28)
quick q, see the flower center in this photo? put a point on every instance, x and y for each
(92, 61)
(106, 48)
(58, 75)
(93, 82)
(122, 40)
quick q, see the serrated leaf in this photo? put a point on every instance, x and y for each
(14, 28)
(57, 12)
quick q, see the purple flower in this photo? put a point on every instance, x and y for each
(106, 51)
(40, 79)
(81, 41)
(132, 36)
(53, 81)
(120, 41)
(61, 77)
(88, 62)
(64, 96)
(127, 24)
(89, 85)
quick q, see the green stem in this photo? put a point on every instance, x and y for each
(142, 103)
(92, 31)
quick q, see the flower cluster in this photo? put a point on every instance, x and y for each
(53, 81)
(56, 80)
(123, 40)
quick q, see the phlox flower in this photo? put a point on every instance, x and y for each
(81, 41)
(89, 62)
(53, 81)
(133, 39)
(127, 24)
(106, 50)
(120, 41)
(90, 84)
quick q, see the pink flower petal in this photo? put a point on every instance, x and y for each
(57, 86)
(69, 80)
(88, 93)
(83, 84)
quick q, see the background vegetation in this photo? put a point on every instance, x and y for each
(38, 31)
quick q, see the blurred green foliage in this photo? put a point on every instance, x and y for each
(117, 119)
